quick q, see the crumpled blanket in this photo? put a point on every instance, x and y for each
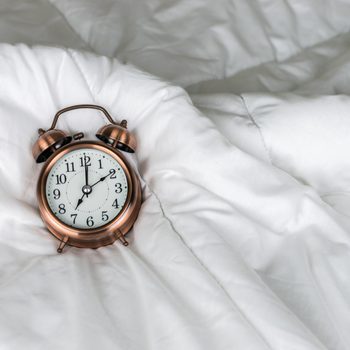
(238, 244)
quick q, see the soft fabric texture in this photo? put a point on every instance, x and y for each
(235, 246)
(203, 45)
(243, 237)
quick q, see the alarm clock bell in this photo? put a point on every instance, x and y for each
(48, 142)
(114, 135)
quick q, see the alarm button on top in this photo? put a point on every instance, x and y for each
(78, 136)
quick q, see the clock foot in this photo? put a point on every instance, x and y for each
(62, 244)
(121, 238)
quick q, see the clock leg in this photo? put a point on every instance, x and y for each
(62, 244)
(121, 237)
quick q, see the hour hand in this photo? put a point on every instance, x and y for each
(80, 200)
(102, 179)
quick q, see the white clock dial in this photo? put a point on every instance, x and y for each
(86, 188)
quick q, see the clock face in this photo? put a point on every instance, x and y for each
(86, 188)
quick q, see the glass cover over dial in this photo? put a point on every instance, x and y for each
(86, 188)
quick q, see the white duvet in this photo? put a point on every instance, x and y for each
(243, 237)
(203, 45)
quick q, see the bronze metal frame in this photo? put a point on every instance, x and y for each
(52, 139)
(54, 144)
(88, 106)
(101, 236)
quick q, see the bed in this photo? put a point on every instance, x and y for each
(241, 111)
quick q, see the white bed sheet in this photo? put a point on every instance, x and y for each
(205, 46)
(230, 249)
(250, 254)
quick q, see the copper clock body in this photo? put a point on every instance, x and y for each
(103, 235)
(54, 144)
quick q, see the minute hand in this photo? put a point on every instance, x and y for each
(86, 174)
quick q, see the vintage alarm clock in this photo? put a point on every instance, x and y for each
(88, 193)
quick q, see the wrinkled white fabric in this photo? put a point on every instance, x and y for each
(233, 248)
(243, 237)
(36, 22)
(206, 46)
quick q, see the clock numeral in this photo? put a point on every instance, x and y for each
(74, 216)
(118, 187)
(115, 204)
(85, 160)
(112, 172)
(62, 209)
(56, 193)
(104, 216)
(90, 221)
(70, 167)
(100, 163)
(61, 179)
